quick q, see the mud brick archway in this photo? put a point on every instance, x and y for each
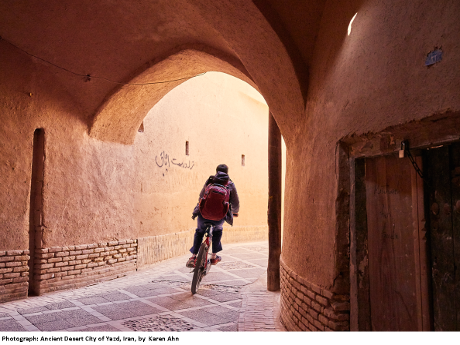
(337, 76)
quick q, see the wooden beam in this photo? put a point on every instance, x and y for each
(274, 205)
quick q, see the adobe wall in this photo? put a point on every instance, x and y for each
(357, 84)
(222, 119)
(101, 195)
(365, 82)
(77, 201)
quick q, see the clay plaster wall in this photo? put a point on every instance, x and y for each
(222, 118)
(75, 181)
(365, 82)
(93, 188)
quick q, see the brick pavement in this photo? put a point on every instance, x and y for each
(260, 308)
(232, 297)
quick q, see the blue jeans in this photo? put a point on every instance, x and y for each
(201, 230)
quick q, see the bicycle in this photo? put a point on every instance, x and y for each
(203, 264)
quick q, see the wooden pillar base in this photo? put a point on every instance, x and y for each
(274, 205)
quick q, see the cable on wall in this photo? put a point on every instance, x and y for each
(88, 77)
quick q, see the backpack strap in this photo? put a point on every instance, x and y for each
(209, 180)
(221, 185)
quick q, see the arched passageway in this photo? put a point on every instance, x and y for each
(119, 117)
(206, 121)
(336, 96)
(111, 109)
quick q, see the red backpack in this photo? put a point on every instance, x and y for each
(215, 201)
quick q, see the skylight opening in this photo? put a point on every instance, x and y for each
(351, 22)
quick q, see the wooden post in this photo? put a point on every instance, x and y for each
(36, 207)
(274, 205)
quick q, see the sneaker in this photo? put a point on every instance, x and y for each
(191, 262)
(216, 260)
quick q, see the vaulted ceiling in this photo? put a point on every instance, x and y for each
(93, 47)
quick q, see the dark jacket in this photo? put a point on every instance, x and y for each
(222, 178)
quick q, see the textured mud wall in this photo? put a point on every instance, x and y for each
(97, 191)
(31, 98)
(221, 119)
(363, 82)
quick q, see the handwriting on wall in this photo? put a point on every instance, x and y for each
(386, 190)
(388, 236)
(387, 221)
(389, 191)
(164, 160)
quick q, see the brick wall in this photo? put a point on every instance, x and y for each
(307, 307)
(59, 268)
(14, 274)
(69, 267)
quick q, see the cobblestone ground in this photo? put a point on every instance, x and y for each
(232, 297)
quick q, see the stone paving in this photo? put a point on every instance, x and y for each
(232, 297)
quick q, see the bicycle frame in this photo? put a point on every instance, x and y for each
(203, 264)
(208, 241)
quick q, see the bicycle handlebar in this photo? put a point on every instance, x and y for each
(234, 215)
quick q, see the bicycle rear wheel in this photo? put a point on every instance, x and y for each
(198, 272)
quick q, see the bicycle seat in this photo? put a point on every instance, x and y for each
(209, 226)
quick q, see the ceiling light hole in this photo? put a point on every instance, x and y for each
(351, 22)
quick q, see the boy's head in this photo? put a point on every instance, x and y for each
(222, 168)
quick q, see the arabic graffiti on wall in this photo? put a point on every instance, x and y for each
(165, 161)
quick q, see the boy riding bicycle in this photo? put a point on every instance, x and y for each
(218, 202)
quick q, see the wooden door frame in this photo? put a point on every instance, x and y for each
(432, 131)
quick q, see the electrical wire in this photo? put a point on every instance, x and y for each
(88, 77)
(414, 163)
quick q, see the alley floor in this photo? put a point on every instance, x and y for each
(233, 297)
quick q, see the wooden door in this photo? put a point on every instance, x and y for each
(396, 245)
(455, 174)
(443, 194)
